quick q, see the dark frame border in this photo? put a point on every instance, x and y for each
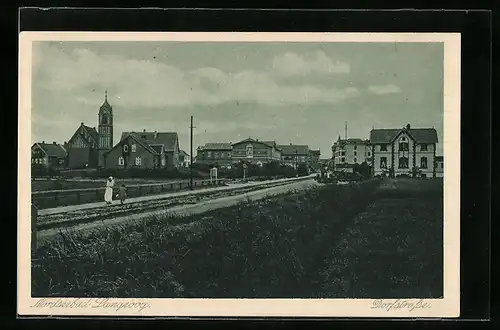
(475, 27)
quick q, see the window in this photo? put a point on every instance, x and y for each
(209, 154)
(121, 161)
(403, 162)
(383, 162)
(343, 159)
(383, 147)
(423, 162)
(249, 151)
(134, 148)
(125, 148)
(229, 155)
(138, 161)
(355, 147)
(423, 147)
(356, 160)
(355, 153)
(369, 154)
(403, 146)
(343, 153)
(441, 165)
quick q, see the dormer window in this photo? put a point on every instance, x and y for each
(125, 148)
(423, 147)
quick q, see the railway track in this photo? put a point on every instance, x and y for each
(76, 217)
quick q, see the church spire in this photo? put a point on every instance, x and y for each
(105, 95)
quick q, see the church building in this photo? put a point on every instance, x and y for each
(87, 146)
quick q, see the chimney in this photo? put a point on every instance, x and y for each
(82, 123)
(408, 126)
(144, 130)
(43, 142)
(54, 143)
(156, 134)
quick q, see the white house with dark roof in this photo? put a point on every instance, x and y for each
(148, 150)
(350, 151)
(404, 149)
(184, 159)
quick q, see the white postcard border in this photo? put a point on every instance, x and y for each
(449, 306)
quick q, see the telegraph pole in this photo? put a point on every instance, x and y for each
(191, 155)
(296, 163)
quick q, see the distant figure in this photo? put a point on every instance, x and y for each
(122, 194)
(108, 195)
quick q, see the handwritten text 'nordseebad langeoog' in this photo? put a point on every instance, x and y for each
(400, 304)
(83, 303)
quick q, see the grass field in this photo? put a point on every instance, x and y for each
(374, 239)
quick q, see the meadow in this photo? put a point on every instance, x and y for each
(373, 239)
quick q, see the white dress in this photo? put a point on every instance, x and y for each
(108, 195)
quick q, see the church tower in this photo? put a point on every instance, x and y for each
(105, 129)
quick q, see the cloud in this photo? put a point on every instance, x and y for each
(384, 89)
(293, 64)
(151, 83)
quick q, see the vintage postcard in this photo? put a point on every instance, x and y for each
(239, 174)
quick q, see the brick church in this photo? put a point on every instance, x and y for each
(87, 146)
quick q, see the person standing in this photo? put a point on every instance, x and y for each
(122, 194)
(108, 195)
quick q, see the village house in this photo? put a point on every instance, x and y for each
(147, 150)
(215, 154)
(403, 150)
(184, 159)
(255, 151)
(48, 155)
(293, 154)
(350, 151)
(439, 166)
(87, 146)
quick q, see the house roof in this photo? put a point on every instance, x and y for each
(292, 149)
(92, 132)
(216, 146)
(439, 158)
(182, 153)
(168, 139)
(157, 148)
(267, 143)
(52, 150)
(420, 135)
(315, 152)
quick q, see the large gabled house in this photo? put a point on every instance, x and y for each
(255, 151)
(215, 154)
(404, 151)
(294, 154)
(83, 147)
(147, 150)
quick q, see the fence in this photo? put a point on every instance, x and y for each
(55, 198)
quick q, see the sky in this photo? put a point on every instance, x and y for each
(300, 93)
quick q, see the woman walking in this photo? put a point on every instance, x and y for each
(108, 195)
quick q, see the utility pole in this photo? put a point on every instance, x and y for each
(296, 163)
(191, 155)
(346, 130)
